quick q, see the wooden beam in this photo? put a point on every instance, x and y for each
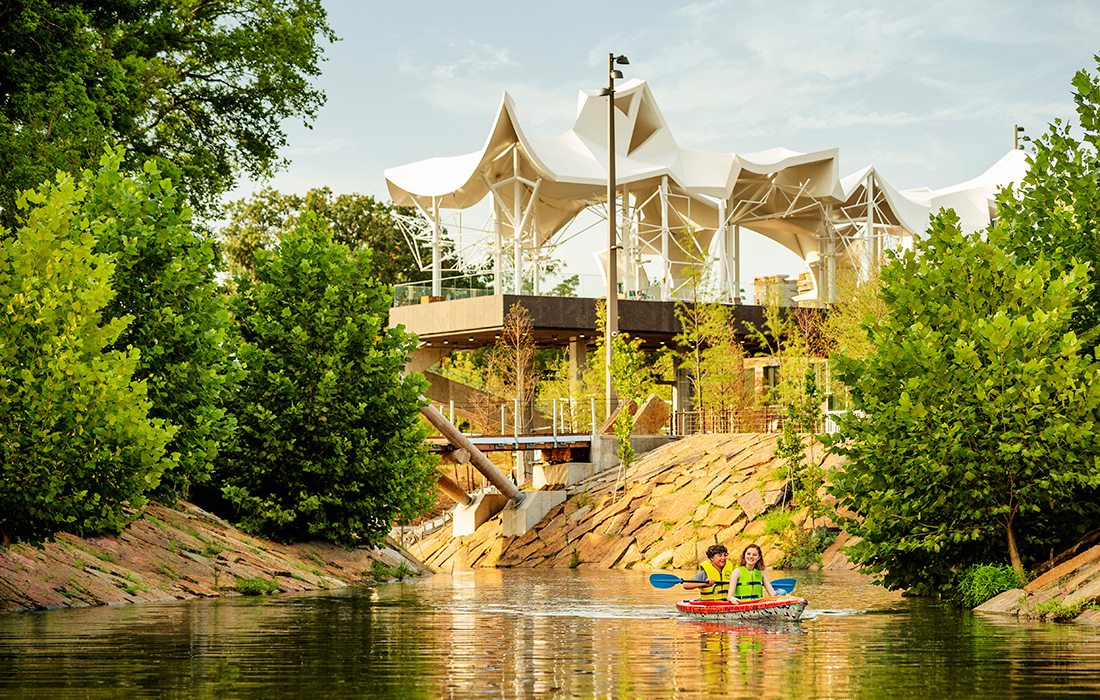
(450, 487)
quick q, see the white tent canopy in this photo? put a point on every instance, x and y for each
(675, 201)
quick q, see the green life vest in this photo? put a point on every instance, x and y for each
(750, 584)
(721, 588)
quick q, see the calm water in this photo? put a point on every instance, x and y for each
(538, 634)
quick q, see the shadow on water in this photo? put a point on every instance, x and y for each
(524, 633)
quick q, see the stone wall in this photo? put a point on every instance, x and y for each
(672, 504)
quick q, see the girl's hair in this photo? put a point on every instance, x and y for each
(759, 562)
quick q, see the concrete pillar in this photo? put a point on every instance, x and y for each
(578, 357)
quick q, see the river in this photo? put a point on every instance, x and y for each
(530, 633)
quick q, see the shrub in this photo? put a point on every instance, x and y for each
(383, 572)
(803, 548)
(777, 522)
(77, 440)
(164, 282)
(984, 581)
(330, 443)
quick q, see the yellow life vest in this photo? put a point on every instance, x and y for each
(721, 588)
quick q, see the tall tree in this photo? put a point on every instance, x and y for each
(163, 281)
(330, 443)
(76, 443)
(975, 435)
(355, 220)
(1055, 212)
(204, 86)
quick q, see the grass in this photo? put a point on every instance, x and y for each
(985, 581)
(574, 560)
(383, 572)
(1057, 611)
(776, 522)
(257, 585)
(167, 572)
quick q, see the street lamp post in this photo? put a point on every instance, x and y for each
(1016, 131)
(612, 308)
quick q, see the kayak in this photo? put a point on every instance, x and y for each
(783, 607)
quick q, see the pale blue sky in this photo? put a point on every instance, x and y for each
(928, 92)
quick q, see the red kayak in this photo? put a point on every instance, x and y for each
(783, 607)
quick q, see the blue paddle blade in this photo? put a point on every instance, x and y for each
(664, 580)
(783, 586)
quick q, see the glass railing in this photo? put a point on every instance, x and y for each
(583, 286)
(416, 293)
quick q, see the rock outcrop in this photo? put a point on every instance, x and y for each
(663, 513)
(173, 554)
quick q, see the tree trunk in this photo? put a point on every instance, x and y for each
(1013, 551)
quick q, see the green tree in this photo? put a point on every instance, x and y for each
(164, 282)
(1055, 212)
(330, 443)
(355, 220)
(805, 470)
(633, 379)
(204, 87)
(975, 426)
(77, 444)
(510, 368)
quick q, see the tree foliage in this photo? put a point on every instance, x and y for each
(355, 220)
(1055, 212)
(805, 464)
(163, 281)
(330, 442)
(975, 436)
(510, 364)
(203, 87)
(77, 443)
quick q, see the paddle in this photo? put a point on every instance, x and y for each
(664, 580)
(781, 586)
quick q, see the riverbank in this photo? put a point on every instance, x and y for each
(177, 554)
(1063, 592)
(679, 499)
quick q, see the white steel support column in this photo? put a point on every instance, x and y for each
(830, 251)
(867, 259)
(536, 285)
(437, 251)
(666, 264)
(737, 264)
(627, 237)
(517, 228)
(498, 247)
(723, 249)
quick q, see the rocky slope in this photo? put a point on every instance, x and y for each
(663, 513)
(1060, 592)
(172, 554)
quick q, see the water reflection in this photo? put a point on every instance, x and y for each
(539, 634)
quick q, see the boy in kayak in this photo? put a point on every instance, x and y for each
(714, 574)
(747, 581)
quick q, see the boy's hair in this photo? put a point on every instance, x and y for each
(716, 549)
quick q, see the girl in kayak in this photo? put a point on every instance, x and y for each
(747, 581)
